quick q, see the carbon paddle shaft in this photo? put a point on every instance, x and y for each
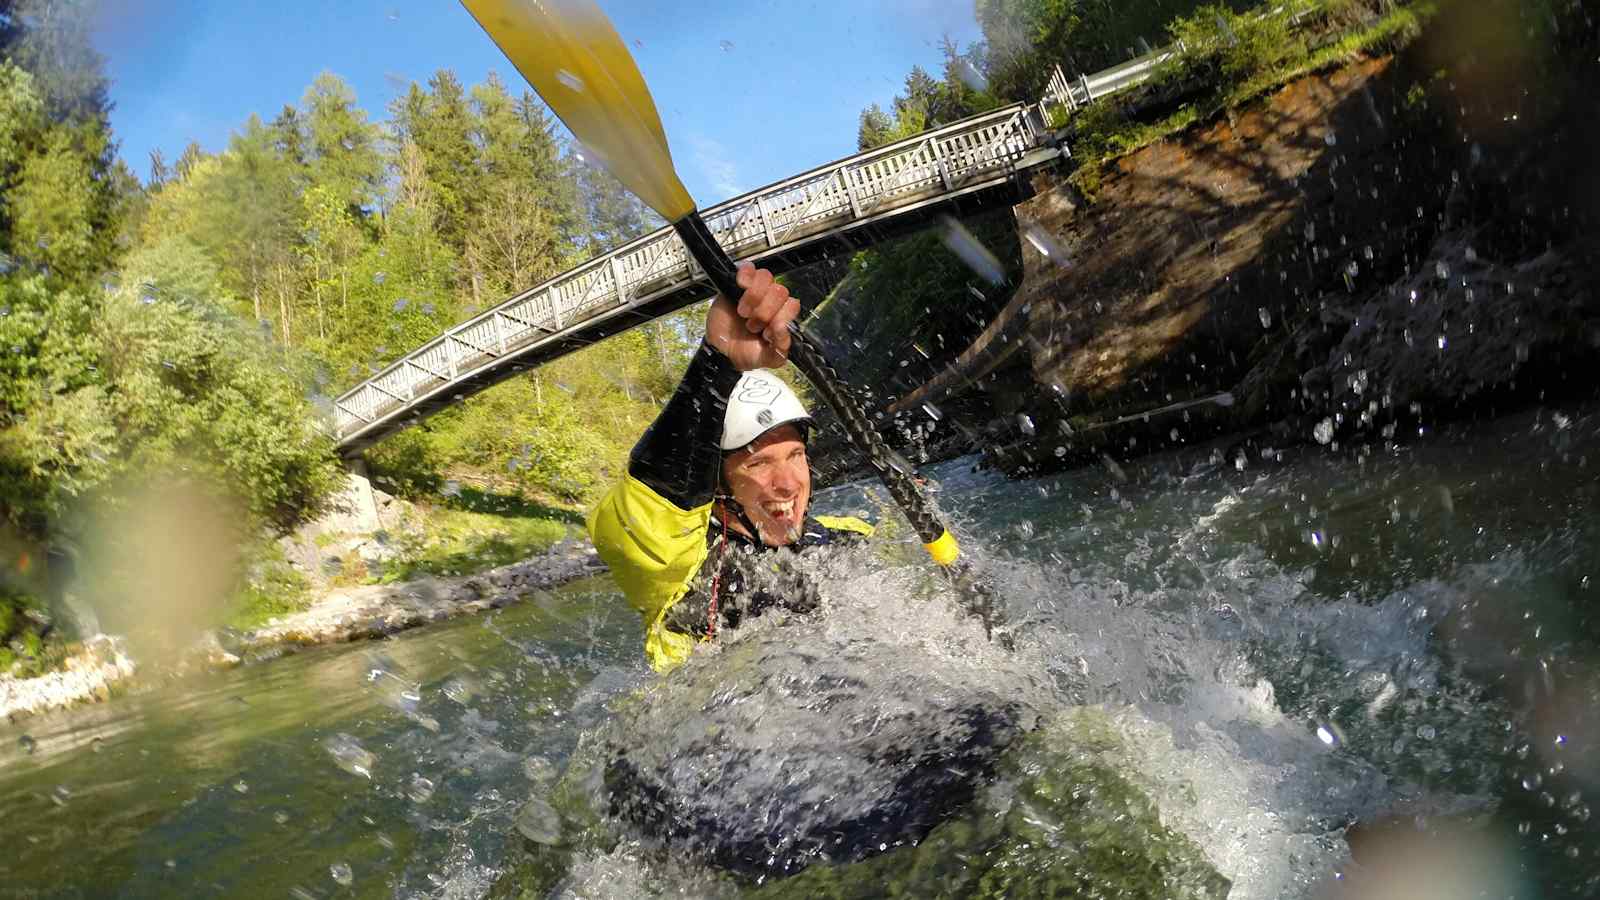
(808, 357)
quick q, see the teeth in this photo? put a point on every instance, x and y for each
(780, 509)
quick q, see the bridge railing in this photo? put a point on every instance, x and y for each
(942, 161)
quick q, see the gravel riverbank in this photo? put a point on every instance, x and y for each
(362, 613)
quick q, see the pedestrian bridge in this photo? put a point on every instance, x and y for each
(967, 166)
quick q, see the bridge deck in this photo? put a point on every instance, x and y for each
(965, 167)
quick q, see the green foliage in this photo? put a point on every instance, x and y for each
(541, 435)
(53, 427)
(455, 540)
(913, 293)
(439, 123)
(1025, 39)
(1220, 45)
(272, 587)
(54, 175)
(927, 102)
(341, 147)
(190, 386)
(1230, 59)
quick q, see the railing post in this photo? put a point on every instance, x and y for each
(616, 280)
(1088, 95)
(766, 226)
(850, 191)
(450, 355)
(499, 332)
(938, 159)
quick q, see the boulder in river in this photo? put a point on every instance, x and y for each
(785, 751)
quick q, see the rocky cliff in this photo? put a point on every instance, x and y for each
(1370, 248)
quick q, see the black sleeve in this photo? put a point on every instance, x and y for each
(679, 454)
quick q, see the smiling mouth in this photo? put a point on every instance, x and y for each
(779, 510)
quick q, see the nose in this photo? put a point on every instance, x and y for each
(787, 479)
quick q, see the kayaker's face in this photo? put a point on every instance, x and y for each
(772, 481)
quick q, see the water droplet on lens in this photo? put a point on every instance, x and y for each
(1266, 318)
(61, 795)
(1323, 432)
(420, 789)
(378, 277)
(349, 755)
(341, 873)
(241, 787)
(539, 823)
(401, 304)
(28, 744)
(971, 77)
(280, 817)
(1427, 732)
(1046, 244)
(458, 689)
(1025, 424)
(971, 251)
(538, 770)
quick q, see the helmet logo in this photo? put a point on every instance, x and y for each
(764, 418)
(758, 390)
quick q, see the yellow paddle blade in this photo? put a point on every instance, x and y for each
(571, 54)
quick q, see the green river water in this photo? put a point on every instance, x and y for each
(1278, 644)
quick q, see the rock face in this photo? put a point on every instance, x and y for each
(373, 611)
(790, 750)
(1357, 242)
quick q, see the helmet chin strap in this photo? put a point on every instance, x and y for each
(743, 518)
(730, 502)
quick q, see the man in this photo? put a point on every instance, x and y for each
(717, 483)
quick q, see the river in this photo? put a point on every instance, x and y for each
(1285, 641)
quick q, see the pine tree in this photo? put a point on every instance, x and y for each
(343, 146)
(439, 123)
(875, 128)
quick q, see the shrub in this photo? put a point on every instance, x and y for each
(1219, 43)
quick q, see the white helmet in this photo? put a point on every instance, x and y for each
(759, 403)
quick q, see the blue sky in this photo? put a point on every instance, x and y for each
(749, 93)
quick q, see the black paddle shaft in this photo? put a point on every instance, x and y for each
(808, 357)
